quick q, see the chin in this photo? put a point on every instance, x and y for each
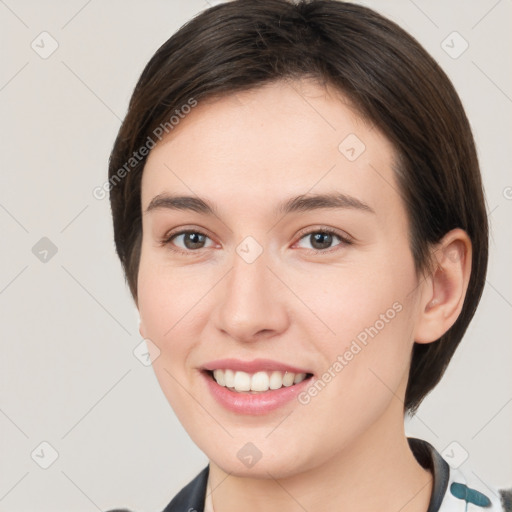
(261, 470)
(249, 462)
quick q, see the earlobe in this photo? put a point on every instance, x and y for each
(139, 321)
(445, 288)
(141, 326)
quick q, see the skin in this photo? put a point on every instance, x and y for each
(247, 153)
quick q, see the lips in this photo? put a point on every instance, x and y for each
(254, 387)
(253, 366)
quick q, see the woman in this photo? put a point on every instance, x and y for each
(299, 213)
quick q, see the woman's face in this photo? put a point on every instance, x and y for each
(323, 287)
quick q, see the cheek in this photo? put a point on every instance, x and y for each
(370, 316)
(168, 298)
(350, 302)
(163, 308)
(363, 375)
(167, 318)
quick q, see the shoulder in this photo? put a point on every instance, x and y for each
(467, 492)
(458, 488)
(189, 499)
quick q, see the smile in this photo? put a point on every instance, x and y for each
(254, 387)
(259, 382)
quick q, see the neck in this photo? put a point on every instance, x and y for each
(378, 471)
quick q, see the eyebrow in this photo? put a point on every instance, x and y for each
(302, 203)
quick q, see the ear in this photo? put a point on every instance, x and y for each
(141, 325)
(444, 290)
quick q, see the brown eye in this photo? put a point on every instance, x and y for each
(322, 239)
(187, 241)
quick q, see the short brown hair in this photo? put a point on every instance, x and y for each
(387, 75)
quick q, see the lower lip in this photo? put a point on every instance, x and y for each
(253, 403)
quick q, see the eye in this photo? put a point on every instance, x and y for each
(189, 241)
(322, 239)
(192, 240)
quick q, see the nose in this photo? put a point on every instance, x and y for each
(251, 303)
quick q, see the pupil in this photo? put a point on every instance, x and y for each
(324, 240)
(195, 239)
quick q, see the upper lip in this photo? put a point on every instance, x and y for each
(252, 366)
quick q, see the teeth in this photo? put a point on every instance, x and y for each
(260, 382)
(288, 379)
(242, 381)
(276, 380)
(229, 378)
(218, 375)
(257, 382)
(299, 378)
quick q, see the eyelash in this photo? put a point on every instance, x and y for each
(345, 240)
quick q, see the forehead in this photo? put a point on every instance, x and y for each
(266, 144)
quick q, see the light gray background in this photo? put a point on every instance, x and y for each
(68, 325)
